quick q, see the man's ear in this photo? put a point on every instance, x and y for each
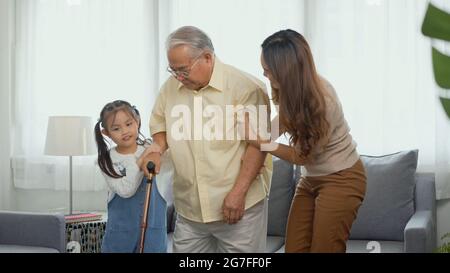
(209, 56)
(105, 132)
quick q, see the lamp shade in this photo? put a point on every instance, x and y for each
(70, 135)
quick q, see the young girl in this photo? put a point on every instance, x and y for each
(121, 123)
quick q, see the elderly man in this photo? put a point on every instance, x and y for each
(220, 184)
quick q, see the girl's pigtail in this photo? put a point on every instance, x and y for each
(141, 140)
(104, 158)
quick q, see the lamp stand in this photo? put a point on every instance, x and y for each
(70, 189)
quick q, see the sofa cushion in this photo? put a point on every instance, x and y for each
(389, 200)
(26, 249)
(280, 196)
(297, 173)
(171, 217)
(274, 243)
(365, 246)
(170, 242)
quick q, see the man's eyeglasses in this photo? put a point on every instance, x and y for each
(185, 72)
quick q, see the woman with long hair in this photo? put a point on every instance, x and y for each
(333, 182)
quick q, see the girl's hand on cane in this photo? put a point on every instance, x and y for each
(155, 158)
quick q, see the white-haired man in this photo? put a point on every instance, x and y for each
(220, 183)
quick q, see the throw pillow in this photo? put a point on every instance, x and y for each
(389, 201)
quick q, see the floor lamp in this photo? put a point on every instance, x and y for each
(70, 136)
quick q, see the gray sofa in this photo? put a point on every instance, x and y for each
(397, 215)
(399, 210)
(32, 232)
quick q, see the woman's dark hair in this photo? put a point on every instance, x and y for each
(111, 109)
(300, 92)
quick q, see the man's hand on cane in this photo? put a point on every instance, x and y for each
(144, 159)
(153, 148)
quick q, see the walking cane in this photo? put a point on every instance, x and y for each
(151, 170)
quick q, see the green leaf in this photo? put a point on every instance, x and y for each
(436, 23)
(441, 66)
(446, 236)
(446, 104)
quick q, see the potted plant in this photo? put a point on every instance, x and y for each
(444, 248)
(436, 25)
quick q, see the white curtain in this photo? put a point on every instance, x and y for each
(75, 55)
(374, 53)
(237, 28)
(72, 57)
(6, 52)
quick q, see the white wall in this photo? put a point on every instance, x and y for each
(26, 200)
(6, 27)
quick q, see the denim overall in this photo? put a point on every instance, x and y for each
(123, 229)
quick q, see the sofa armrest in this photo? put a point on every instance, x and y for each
(33, 229)
(420, 233)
